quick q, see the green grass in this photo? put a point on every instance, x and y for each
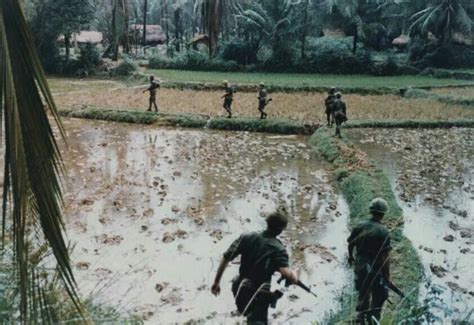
(359, 187)
(446, 99)
(410, 124)
(299, 80)
(279, 126)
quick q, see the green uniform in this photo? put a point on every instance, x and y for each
(153, 90)
(261, 255)
(262, 103)
(339, 113)
(372, 242)
(328, 102)
(228, 99)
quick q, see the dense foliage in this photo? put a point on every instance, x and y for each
(336, 36)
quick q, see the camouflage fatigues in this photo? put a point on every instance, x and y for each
(262, 103)
(372, 242)
(261, 255)
(228, 99)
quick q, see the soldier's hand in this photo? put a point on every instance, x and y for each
(216, 289)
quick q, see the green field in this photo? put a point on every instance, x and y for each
(295, 80)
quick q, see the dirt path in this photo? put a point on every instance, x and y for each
(152, 210)
(432, 172)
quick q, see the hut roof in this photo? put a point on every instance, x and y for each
(154, 33)
(335, 32)
(85, 36)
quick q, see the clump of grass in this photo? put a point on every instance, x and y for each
(124, 116)
(257, 125)
(360, 182)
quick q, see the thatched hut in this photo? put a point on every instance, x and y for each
(154, 34)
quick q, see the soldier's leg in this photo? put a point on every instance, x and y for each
(338, 127)
(154, 104)
(364, 290)
(328, 115)
(379, 296)
(259, 314)
(150, 102)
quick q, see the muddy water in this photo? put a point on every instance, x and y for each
(152, 210)
(432, 172)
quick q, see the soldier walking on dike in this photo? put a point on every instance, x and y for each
(228, 98)
(328, 103)
(372, 263)
(154, 85)
(339, 113)
(262, 254)
(263, 101)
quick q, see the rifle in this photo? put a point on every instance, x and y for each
(299, 284)
(395, 289)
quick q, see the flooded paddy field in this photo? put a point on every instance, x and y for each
(432, 172)
(150, 212)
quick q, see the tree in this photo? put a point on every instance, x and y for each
(32, 199)
(64, 17)
(443, 18)
(269, 22)
(120, 24)
(145, 12)
(212, 12)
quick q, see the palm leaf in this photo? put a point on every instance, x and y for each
(32, 157)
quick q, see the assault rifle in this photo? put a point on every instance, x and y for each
(299, 284)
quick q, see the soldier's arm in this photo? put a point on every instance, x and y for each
(216, 287)
(289, 274)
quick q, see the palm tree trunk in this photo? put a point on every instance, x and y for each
(145, 9)
(67, 45)
(305, 29)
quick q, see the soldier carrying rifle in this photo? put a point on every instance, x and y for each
(154, 85)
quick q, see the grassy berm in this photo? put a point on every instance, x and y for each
(360, 182)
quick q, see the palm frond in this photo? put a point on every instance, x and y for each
(32, 157)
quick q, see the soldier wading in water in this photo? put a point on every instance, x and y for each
(228, 98)
(263, 101)
(262, 254)
(372, 263)
(154, 85)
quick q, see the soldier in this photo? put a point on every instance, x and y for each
(339, 112)
(154, 85)
(328, 104)
(228, 98)
(261, 255)
(263, 101)
(372, 262)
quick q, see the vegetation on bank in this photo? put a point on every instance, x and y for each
(193, 121)
(411, 124)
(360, 182)
(446, 99)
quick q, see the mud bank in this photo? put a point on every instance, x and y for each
(152, 210)
(431, 172)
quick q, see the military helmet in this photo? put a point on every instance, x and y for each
(152, 77)
(278, 220)
(332, 90)
(338, 95)
(378, 205)
(225, 82)
(262, 84)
